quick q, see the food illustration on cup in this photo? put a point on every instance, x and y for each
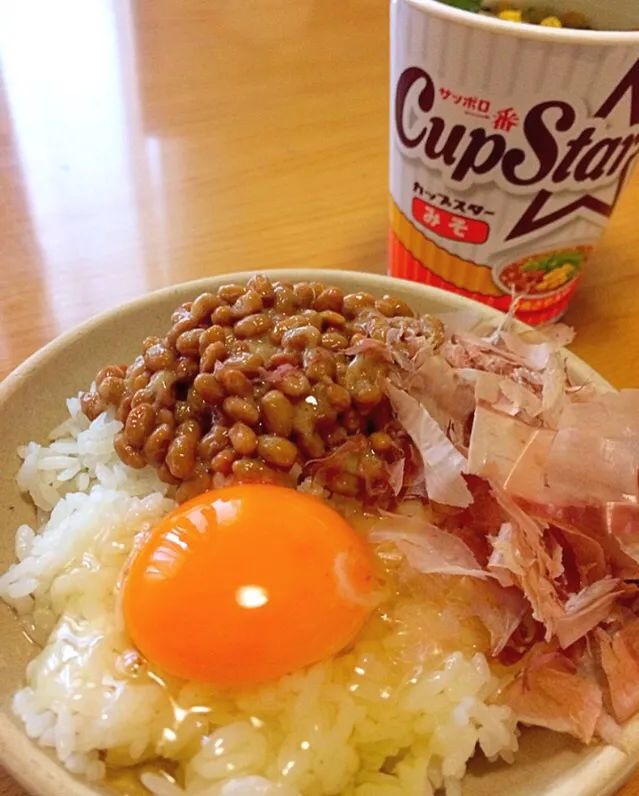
(543, 274)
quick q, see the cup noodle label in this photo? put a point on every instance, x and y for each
(503, 151)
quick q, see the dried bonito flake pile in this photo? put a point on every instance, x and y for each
(531, 481)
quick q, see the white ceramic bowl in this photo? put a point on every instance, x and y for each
(32, 402)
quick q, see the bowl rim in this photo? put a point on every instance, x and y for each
(37, 770)
(457, 302)
(518, 30)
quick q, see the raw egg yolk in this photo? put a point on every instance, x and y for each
(244, 584)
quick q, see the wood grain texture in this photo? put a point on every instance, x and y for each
(148, 143)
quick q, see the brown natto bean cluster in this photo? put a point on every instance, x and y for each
(265, 382)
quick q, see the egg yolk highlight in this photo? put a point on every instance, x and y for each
(244, 584)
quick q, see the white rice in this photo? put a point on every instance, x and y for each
(327, 730)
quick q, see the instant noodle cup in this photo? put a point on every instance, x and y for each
(509, 147)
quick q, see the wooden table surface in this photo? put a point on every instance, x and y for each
(144, 144)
